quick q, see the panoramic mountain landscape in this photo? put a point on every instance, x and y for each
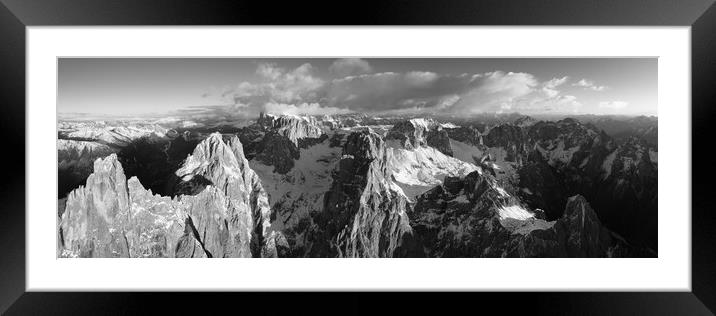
(261, 178)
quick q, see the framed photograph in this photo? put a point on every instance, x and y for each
(175, 147)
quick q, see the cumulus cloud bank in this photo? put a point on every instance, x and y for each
(350, 67)
(303, 108)
(354, 86)
(589, 85)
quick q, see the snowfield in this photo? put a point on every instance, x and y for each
(420, 169)
(515, 212)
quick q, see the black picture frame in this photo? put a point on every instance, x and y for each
(16, 15)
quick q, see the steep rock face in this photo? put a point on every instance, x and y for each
(627, 194)
(509, 137)
(473, 217)
(113, 217)
(248, 212)
(95, 215)
(230, 217)
(411, 133)
(586, 237)
(278, 151)
(365, 213)
(542, 186)
(438, 139)
(466, 134)
(293, 127)
(419, 132)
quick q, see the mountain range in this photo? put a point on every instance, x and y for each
(357, 185)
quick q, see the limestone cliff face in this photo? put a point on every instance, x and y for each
(238, 189)
(97, 215)
(365, 213)
(293, 127)
(230, 217)
(421, 132)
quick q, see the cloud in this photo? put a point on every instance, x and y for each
(390, 90)
(350, 67)
(588, 84)
(613, 105)
(303, 109)
(515, 92)
(274, 85)
(301, 91)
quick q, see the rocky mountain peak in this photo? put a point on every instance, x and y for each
(230, 217)
(412, 133)
(418, 132)
(278, 151)
(291, 126)
(365, 212)
(586, 237)
(108, 186)
(364, 145)
(214, 160)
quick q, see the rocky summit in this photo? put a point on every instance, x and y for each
(355, 185)
(365, 212)
(230, 217)
(292, 127)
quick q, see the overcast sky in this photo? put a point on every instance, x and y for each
(132, 86)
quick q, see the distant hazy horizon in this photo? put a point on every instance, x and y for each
(240, 87)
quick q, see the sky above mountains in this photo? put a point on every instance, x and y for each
(245, 86)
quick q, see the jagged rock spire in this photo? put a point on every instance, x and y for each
(365, 212)
(113, 217)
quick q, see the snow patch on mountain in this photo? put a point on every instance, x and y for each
(515, 212)
(81, 146)
(419, 169)
(424, 124)
(115, 133)
(448, 125)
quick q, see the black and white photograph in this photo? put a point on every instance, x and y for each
(357, 157)
(183, 156)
